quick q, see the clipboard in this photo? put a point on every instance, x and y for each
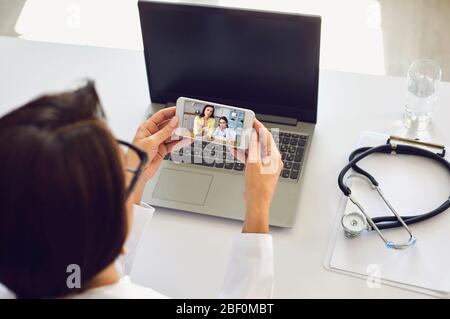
(423, 268)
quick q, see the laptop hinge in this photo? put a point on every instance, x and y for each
(277, 119)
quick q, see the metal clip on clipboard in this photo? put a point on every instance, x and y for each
(394, 140)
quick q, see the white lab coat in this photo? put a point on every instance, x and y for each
(249, 273)
(226, 134)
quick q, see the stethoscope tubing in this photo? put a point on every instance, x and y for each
(386, 222)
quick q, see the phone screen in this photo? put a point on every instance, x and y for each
(213, 123)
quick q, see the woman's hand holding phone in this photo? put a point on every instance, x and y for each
(154, 137)
(263, 165)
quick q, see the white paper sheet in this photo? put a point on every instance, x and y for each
(413, 185)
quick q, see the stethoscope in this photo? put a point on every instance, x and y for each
(355, 222)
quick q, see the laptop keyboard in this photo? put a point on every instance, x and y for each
(291, 146)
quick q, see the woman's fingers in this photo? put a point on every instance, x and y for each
(254, 153)
(238, 153)
(166, 131)
(176, 145)
(272, 162)
(265, 137)
(265, 140)
(159, 118)
(257, 124)
(155, 122)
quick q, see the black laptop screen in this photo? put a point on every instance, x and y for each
(267, 62)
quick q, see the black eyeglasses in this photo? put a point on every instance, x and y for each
(143, 159)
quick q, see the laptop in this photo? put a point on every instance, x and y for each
(264, 61)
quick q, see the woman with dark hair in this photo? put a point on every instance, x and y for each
(204, 123)
(222, 132)
(69, 194)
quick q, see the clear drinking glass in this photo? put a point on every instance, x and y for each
(423, 80)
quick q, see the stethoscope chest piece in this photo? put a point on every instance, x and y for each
(354, 223)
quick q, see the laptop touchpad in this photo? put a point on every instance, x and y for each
(182, 186)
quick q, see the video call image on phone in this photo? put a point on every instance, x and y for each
(213, 123)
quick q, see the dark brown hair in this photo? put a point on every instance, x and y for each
(204, 109)
(224, 118)
(61, 194)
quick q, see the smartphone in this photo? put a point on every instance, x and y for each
(214, 123)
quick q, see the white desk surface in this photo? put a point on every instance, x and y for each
(185, 255)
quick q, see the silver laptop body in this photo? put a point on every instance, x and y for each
(218, 191)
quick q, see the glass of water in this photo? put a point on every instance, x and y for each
(423, 80)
